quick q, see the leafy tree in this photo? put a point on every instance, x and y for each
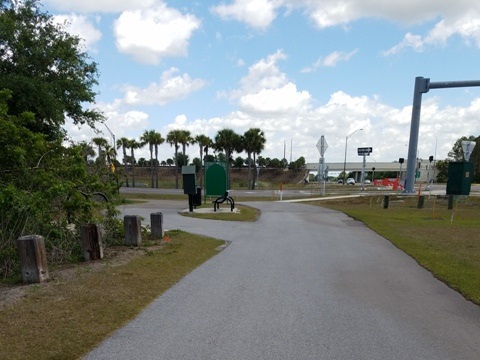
(170, 162)
(228, 141)
(198, 164)
(298, 164)
(41, 189)
(262, 162)
(456, 154)
(209, 158)
(239, 161)
(45, 68)
(276, 163)
(182, 160)
(442, 170)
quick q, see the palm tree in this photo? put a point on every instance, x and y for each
(110, 153)
(123, 143)
(87, 150)
(185, 140)
(101, 143)
(158, 140)
(132, 145)
(153, 139)
(254, 142)
(228, 141)
(204, 142)
(173, 138)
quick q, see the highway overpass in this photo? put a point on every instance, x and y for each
(379, 166)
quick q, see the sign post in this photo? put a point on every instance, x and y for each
(322, 146)
(365, 151)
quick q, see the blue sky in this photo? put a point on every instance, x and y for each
(297, 69)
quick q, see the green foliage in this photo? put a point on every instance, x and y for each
(45, 68)
(298, 164)
(456, 154)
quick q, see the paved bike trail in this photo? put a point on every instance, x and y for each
(303, 282)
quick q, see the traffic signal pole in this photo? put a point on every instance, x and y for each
(423, 85)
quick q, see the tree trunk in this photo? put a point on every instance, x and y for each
(125, 166)
(156, 166)
(133, 168)
(176, 167)
(254, 172)
(201, 166)
(151, 167)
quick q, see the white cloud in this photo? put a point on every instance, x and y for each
(264, 74)
(467, 27)
(280, 100)
(171, 87)
(331, 59)
(82, 27)
(410, 41)
(86, 6)
(255, 13)
(148, 35)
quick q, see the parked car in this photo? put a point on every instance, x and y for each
(350, 181)
(367, 181)
(340, 181)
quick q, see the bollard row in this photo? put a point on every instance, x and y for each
(33, 256)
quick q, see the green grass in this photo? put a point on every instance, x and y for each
(446, 242)
(64, 320)
(246, 213)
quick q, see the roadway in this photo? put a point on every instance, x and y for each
(303, 282)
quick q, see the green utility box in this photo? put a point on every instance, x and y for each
(460, 176)
(215, 178)
(188, 174)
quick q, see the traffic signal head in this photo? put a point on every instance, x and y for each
(430, 158)
(401, 160)
(373, 168)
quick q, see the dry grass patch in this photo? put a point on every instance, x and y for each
(64, 319)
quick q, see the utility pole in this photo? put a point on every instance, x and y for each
(423, 85)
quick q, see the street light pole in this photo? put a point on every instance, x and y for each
(345, 160)
(113, 137)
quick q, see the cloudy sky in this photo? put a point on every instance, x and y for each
(297, 69)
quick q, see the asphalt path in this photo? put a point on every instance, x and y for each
(302, 282)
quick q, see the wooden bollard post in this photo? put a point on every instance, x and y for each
(133, 230)
(156, 223)
(386, 200)
(450, 202)
(33, 259)
(421, 202)
(91, 242)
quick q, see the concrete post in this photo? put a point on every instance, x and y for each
(91, 242)
(133, 230)
(33, 259)
(156, 223)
